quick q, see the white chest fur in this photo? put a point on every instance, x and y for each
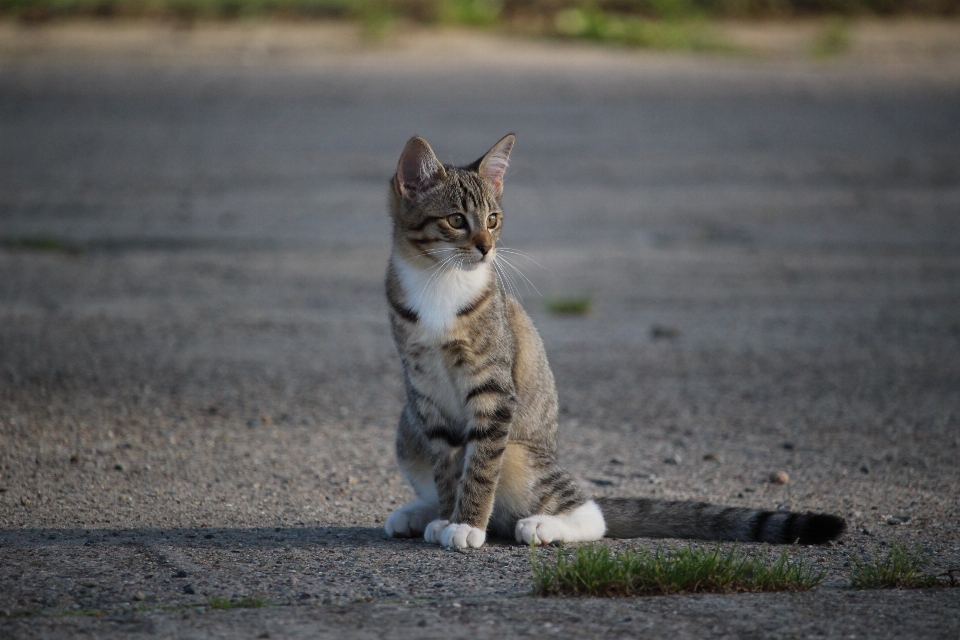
(436, 295)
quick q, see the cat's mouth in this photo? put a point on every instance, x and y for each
(473, 261)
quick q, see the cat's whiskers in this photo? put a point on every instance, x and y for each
(443, 267)
(522, 255)
(529, 282)
(503, 282)
(511, 286)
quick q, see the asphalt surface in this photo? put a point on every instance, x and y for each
(198, 389)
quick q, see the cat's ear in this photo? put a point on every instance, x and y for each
(418, 170)
(493, 164)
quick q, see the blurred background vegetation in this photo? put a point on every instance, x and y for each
(580, 17)
(659, 24)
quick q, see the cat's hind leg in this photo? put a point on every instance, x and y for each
(583, 524)
(411, 520)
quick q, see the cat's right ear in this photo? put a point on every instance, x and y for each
(418, 170)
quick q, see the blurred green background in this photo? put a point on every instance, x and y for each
(574, 17)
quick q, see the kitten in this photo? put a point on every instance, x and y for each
(477, 438)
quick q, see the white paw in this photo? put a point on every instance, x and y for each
(461, 536)
(583, 524)
(410, 520)
(540, 530)
(432, 533)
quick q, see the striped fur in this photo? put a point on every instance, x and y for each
(477, 437)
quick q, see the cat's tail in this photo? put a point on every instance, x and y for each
(644, 518)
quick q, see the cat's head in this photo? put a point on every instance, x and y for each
(446, 214)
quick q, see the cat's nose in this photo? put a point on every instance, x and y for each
(484, 248)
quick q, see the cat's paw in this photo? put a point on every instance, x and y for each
(540, 530)
(410, 521)
(583, 524)
(461, 536)
(432, 533)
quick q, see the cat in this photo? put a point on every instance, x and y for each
(477, 438)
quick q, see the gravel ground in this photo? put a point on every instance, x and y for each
(198, 390)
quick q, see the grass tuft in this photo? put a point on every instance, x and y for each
(899, 569)
(687, 34)
(41, 243)
(834, 41)
(243, 603)
(567, 306)
(592, 570)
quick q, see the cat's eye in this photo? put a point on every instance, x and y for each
(457, 220)
(492, 221)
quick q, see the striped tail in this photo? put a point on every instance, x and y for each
(644, 518)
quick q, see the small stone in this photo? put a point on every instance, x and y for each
(139, 596)
(189, 590)
(788, 446)
(25, 501)
(615, 461)
(710, 457)
(74, 459)
(119, 467)
(661, 332)
(864, 469)
(352, 480)
(780, 477)
(674, 459)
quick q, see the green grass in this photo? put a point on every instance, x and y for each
(41, 243)
(834, 40)
(243, 603)
(592, 570)
(901, 568)
(612, 20)
(573, 306)
(636, 31)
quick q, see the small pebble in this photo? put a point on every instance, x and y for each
(710, 457)
(139, 596)
(25, 501)
(119, 466)
(780, 477)
(352, 480)
(674, 459)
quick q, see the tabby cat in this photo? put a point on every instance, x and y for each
(477, 438)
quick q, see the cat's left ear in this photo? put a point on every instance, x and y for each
(493, 164)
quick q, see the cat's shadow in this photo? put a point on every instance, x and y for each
(251, 538)
(197, 537)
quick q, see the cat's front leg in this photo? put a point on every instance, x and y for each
(486, 442)
(444, 463)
